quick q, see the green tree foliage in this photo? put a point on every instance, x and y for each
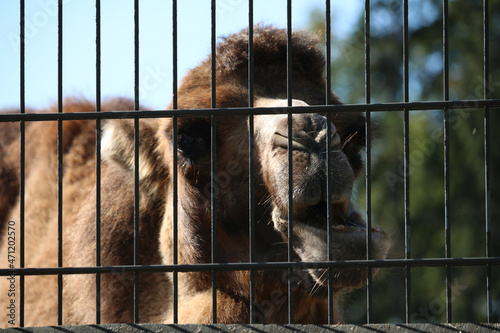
(466, 164)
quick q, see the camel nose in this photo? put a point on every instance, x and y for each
(309, 132)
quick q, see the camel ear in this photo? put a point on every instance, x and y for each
(118, 146)
(118, 142)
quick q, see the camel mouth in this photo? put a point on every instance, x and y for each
(348, 231)
(344, 218)
(347, 225)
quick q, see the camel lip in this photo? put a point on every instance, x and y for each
(340, 228)
(350, 226)
(345, 220)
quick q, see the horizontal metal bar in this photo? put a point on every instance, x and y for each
(422, 262)
(270, 328)
(461, 104)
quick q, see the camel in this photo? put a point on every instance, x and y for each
(194, 211)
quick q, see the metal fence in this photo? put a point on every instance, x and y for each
(407, 263)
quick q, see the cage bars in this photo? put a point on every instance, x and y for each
(368, 161)
(290, 155)
(251, 167)
(213, 160)
(60, 160)
(244, 111)
(98, 162)
(329, 185)
(407, 263)
(22, 153)
(487, 170)
(379, 263)
(175, 199)
(136, 163)
(446, 143)
(406, 134)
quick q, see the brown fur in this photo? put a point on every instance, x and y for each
(194, 214)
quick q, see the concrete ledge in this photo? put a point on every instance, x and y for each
(141, 328)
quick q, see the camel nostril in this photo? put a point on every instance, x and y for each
(309, 132)
(306, 142)
(280, 140)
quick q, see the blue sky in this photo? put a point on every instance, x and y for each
(118, 41)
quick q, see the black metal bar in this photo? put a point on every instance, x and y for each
(368, 162)
(174, 55)
(213, 44)
(487, 170)
(446, 66)
(290, 157)
(328, 50)
(250, 55)
(136, 162)
(213, 160)
(405, 53)
(136, 218)
(238, 111)
(98, 163)
(175, 199)
(329, 215)
(406, 157)
(22, 157)
(329, 185)
(60, 161)
(446, 134)
(367, 23)
(175, 221)
(251, 167)
(416, 262)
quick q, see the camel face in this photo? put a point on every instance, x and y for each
(271, 173)
(309, 169)
(182, 190)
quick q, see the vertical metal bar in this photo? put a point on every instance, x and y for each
(136, 219)
(174, 161)
(22, 158)
(251, 169)
(446, 95)
(213, 42)
(328, 51)
(487, 172)
(329, 185)
(446, 70)
(367, 53)
(213, 163)
(290, 158)
(98, 164)
(368, 163)
(60, 162)
(406, 158)
(175, 239)
(136, 162)
(250, 54)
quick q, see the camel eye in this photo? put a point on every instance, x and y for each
(185, 143)
(193, 140)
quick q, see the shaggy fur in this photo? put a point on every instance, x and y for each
(156, 211)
